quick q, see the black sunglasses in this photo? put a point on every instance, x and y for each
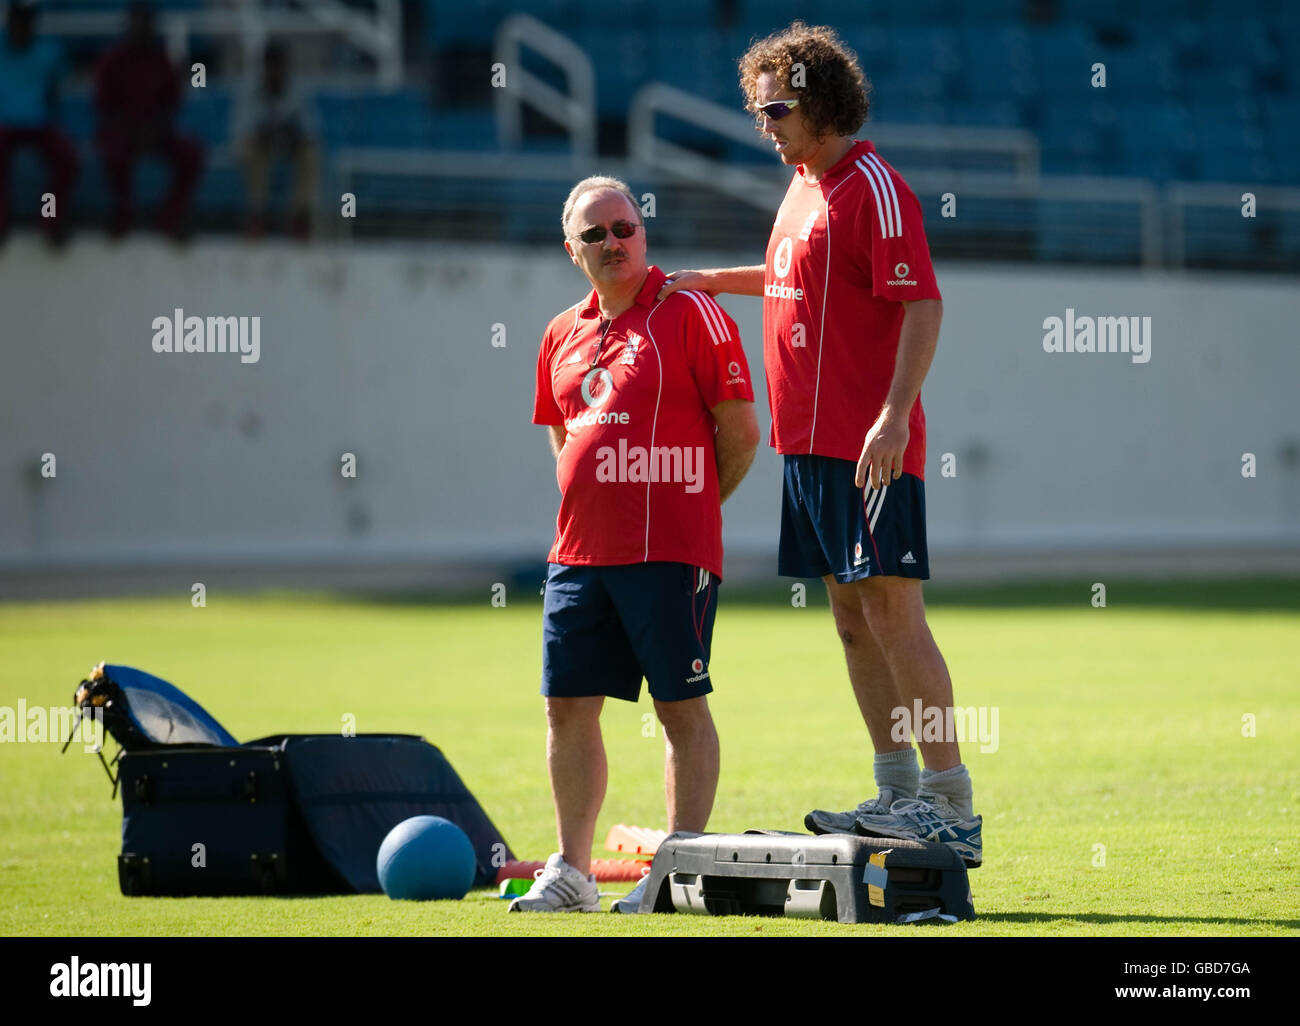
(776, 109)
(621, 230)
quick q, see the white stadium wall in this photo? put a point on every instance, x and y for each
(387, 351)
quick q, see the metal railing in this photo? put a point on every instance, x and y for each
(922, 146)
(705, 203)
(253, 24)
(647, 147)
(1229, 230)
(575, 112)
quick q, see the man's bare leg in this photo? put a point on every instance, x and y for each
(691, 762)
(869, 672)
(895, 612)
(575, 760)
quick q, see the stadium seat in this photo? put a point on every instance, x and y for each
(1095, 12)
(397, 119)
(602, 14)
(464, 130)
(990, 11)
(694, 61)
(76, 113)
(463, 22)
(998, 59)
(1000, 113)
(1152, 136)
(206, 113)
(621, 67)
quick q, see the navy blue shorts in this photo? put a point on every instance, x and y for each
(831, 526)
(606, 627)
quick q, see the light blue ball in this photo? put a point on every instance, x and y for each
(424, 858)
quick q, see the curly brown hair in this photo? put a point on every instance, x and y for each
(833, 96)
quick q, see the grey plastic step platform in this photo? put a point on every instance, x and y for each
(774, 873)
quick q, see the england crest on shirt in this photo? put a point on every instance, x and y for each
(631, 347)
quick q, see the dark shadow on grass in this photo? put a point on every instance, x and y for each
(1253, 595)
(1103, 919)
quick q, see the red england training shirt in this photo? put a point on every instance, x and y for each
(845, 253)
(638, 473)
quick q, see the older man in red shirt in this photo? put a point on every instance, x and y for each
(651, 417)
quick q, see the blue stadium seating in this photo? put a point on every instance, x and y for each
(398, 119)
(617, 79)
(1204, 89)
(451, 23)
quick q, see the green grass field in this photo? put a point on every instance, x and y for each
(1119, 727)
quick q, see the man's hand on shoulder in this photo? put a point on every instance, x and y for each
(738, 281)
(696, 280)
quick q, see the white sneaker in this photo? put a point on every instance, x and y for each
(819, 822)
(559, 888)
(631, 902)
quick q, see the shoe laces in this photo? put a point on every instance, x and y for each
(874, 806)
(922, 803)
(547, 873)
(550, 882)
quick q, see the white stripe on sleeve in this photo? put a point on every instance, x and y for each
(893, 194)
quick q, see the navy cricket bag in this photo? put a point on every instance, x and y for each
(288, 813)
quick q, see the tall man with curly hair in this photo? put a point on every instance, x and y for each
(851, 314)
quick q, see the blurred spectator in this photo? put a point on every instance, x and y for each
(29, 80)
(275, 120)
(137, 95)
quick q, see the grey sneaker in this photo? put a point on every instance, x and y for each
(631, 902)
(930, 817)
(559, 888)
(819, 822)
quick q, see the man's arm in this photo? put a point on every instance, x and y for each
(558, 436)
(735, 443)
(739, 281)
(882, 452)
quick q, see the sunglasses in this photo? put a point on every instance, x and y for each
(776, 109)
(621, 230)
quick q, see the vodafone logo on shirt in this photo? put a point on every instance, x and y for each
(900, 275)
(784, 254)
(781, 261)
(597, 387)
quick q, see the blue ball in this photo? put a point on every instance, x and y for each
(426, 857)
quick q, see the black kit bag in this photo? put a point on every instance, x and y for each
(286, 814)
(214, 821)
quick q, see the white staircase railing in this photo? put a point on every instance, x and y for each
(645, 146)
(1018, 149)
(576, 111)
